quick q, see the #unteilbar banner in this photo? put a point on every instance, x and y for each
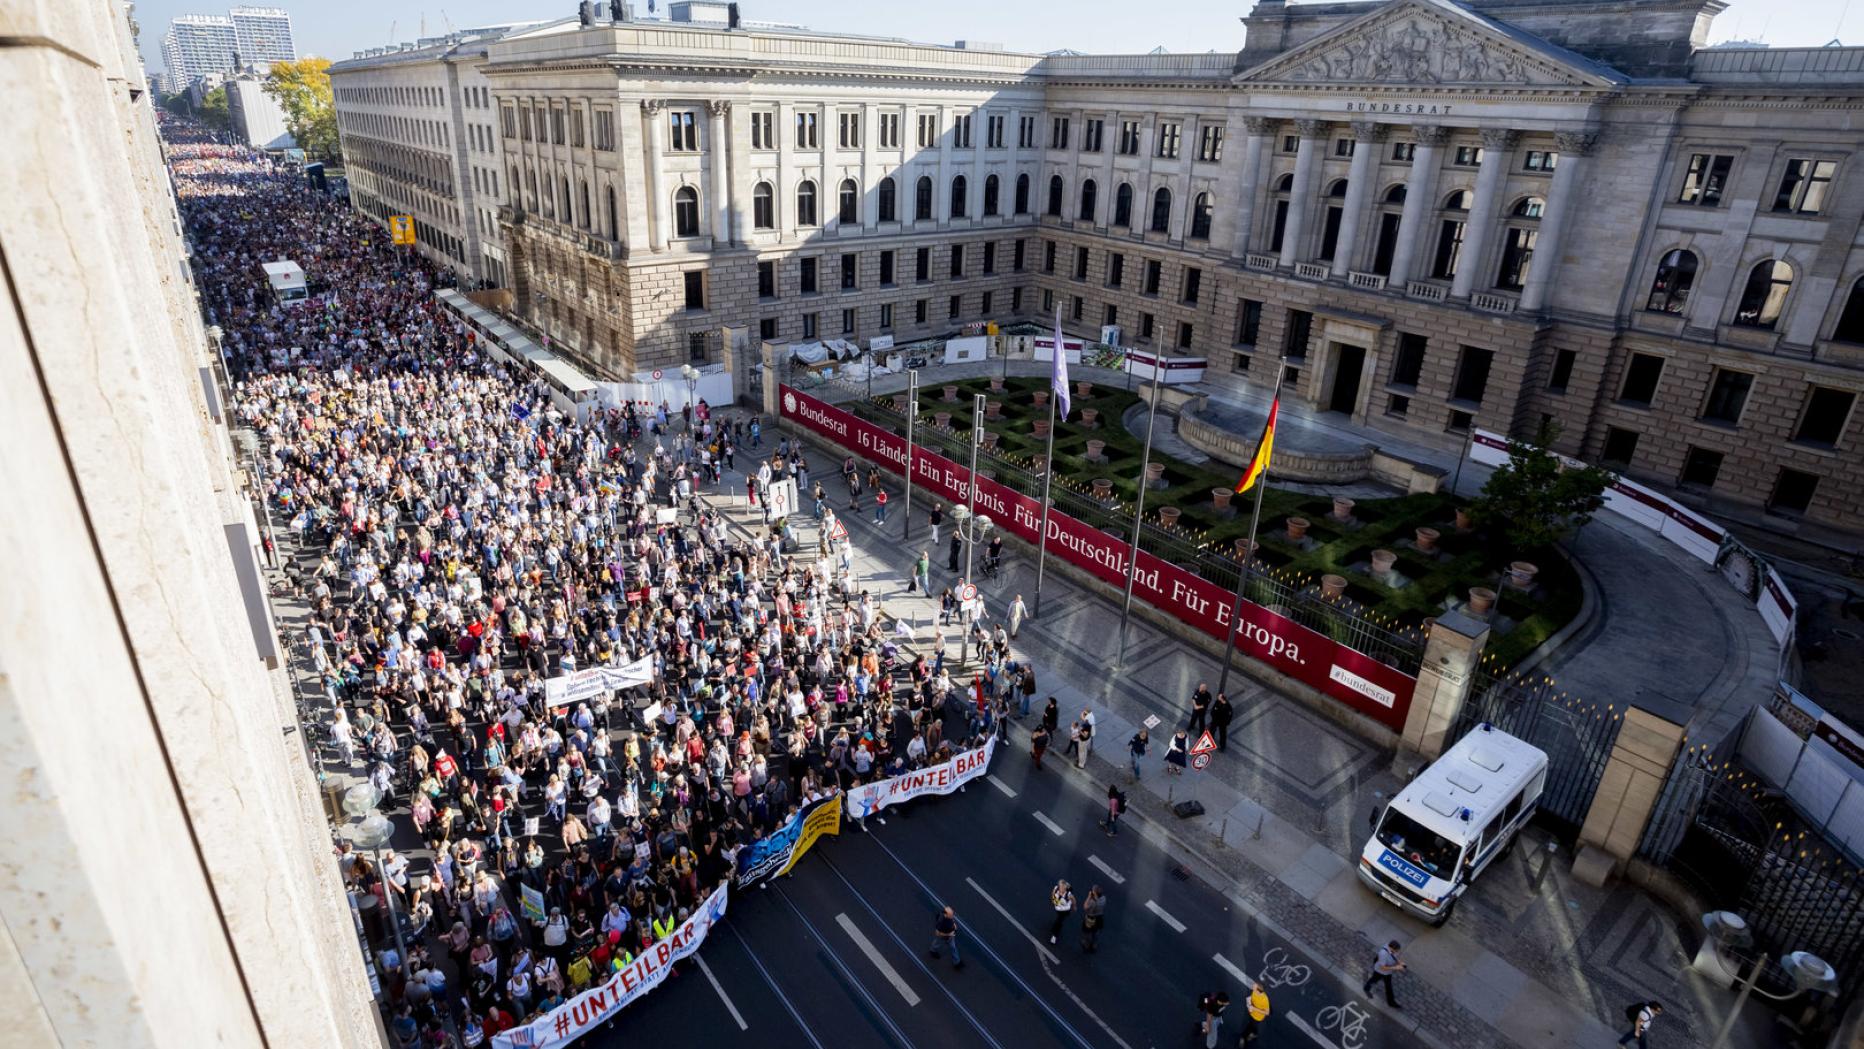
(1364, 684)
(943, 778)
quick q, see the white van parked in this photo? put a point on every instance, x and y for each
(1448, 824)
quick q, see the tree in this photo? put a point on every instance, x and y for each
(1535, 498)
(214, 109)
(302, 90)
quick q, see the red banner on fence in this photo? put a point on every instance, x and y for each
(1355, 679)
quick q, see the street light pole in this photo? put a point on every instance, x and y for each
(1139, 510)
(970, 518)
(912, 416)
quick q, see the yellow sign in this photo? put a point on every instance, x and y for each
(824, 819)
(401, 229)
(991, 328)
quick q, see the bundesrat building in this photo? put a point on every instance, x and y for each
(1492, 214)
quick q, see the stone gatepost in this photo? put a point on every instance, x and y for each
(1451, 652)
(774, 353)
(736, 342)
(1640, 762)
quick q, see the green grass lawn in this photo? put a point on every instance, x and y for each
(1205, 537)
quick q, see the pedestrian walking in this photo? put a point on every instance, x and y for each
(1136, 748)
(1027, 685)
(1017, 611)
(1200, 707)
(922, 574)
(945, 935)
(1061, 899)
(880, 506)
(1641, 1015)
(1177, 752)
(1387, 965)
(1038, 745)
(1221, 714)
(951, 559)
(936, 517)
(1093, 916)
(1116, 806)
(1258, 1006)
(1210, 1023)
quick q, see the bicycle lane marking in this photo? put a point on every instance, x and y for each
(1301, 1025)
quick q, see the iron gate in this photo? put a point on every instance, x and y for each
(1576, 735)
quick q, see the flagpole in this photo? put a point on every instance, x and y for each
(912, 416)
(1139, 509)
(1249, 551)
(1048, 475)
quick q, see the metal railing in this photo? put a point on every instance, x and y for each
(1577, 735)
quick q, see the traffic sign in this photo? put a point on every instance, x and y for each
(837, 531)
(1200, 762)
(1204, 745)
(969, 593)
(401, 229)
(657, 374)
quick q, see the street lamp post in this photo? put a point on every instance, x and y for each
(372, 833)
(971, 529)
(912, 416)
(691, 375)
(969, 525)
(1139, 510)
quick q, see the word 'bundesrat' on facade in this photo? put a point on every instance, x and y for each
(1491, 214)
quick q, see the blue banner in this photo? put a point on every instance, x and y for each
(770, 856)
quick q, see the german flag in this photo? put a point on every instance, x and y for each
(1260, 464)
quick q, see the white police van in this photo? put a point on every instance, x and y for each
(1447, 825)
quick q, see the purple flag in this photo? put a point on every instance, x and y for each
(1058, 375)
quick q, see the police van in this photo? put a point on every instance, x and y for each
(1454, 819)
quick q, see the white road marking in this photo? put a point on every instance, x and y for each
(1018, 926)
(1000, 785)
(873, 955)
(1301, 1025)
(722, 996)
(1176, 925)
(1049, 823)
(1101, 866)
(1241, 977)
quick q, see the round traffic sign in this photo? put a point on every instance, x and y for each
(656, 374)
(968, 593)
(1200, 761)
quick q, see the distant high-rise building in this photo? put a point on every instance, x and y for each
(264, 35)
(196, 45)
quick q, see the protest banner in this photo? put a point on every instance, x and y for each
(532, 903)
(776, 852)
(945, 778)
(593, 681)
(823, 818)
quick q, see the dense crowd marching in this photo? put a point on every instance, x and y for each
(458, 541)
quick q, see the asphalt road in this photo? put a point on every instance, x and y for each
(836, 954)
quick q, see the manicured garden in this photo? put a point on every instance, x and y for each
(1395, 562)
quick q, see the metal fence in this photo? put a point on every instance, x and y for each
(1693, 773)
(1340, 619)
(1577, 735)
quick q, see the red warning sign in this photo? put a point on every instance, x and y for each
(1204, 745)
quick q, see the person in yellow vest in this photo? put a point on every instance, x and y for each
(1258, 1012)
(663, 927)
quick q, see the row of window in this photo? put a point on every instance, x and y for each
(1790, 496)
(1804, 186)
(558, 127)
(1823, 414)
(956, 256)
(957, 307)
(1763, 295)
(403, 95)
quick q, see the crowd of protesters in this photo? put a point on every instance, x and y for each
(458, 540)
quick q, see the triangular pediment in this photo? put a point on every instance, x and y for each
(1425, 42)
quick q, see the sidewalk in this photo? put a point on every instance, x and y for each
(1532, 958)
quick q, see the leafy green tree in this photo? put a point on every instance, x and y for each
(302, 90)
(1535, 498)
(214, 109)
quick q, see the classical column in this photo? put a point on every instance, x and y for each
(1249, 185)
(1368, 136)
(1575, 147)
(651, 112)
(1497, 146)
(721, 173)
(1313, 140)
(870, 182)
(1420, 200)
(941, 189)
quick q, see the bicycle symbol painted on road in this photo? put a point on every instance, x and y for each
(1277, 971)
(1349, 1019)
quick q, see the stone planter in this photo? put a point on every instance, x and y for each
(1220, 498)
(1041, 427)
(990, 440)
(1382, 562)
(993, 409)
(1155, 472)
(1333, 587)
(1245, 547)
(902, 403)
(1481, 599)
(1463, 521)
(1521, 574)
(951, 395)
(1427, 539)
(1297, 528)
(1343, 509)
(1090, 417)
(942, 420)
(1083, 389)
(1096, 451)
(996, 384)
(1041, 397)
(1103, 489)
(1168, 516)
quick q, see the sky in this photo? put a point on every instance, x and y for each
(335, 28)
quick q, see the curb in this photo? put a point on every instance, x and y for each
(1590, 605)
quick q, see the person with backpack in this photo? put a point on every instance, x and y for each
(1136, 748)
(1210, 1009)
(1641, 1015)
(1116, 805)
(1093, 916)
(1384, 967)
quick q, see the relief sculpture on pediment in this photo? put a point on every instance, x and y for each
(1417, 50)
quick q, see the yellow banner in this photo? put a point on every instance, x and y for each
(826, 819)
(401, 229)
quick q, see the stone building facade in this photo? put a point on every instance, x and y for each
(1498, 215)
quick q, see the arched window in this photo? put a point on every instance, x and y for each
(991, 184)
(563, 202)
(1278, 222)
(1022, 194)
(1089, 192)
(958, 187)
(1528, 208)
(922, 199)
(582, 196)
(763, 207)
(614, 227)
(1450, 229)
(1676, 274)
(1457, 201)
(889, 201)
(1123, 206)
(1395, 195)
(805, 204)
(1851, 321)
(1161, 211)
(849, 210)
(1767, 286)
(1200, 217)
(1056, 189)
(1330, 220)
(686, 212)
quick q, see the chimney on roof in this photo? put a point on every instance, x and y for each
(731, 17)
